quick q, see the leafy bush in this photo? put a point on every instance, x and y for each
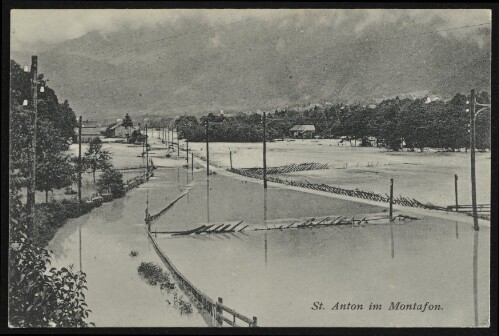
(111, 181)
(154, 275)
(37, 297)
(50, 217)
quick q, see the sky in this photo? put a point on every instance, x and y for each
(32, 28)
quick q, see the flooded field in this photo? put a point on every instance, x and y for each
(277, 276)
(427, 176)
(226, 199)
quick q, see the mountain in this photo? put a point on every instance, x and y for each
(193, 66)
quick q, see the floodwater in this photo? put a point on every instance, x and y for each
(276, 276)
(100, 243)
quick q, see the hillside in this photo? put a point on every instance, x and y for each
(194, 66)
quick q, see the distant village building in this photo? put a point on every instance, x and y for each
(303, 131)
(117, 130)
(432, 98)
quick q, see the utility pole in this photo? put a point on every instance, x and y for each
(473, 115)
(178, 142)
(207, 149)
(473, 173)
(166, 133)
(264, 152)
(391, 200)
(455, 190)
(79, 160)
(31, 190)
(147, 157)
(187, 151)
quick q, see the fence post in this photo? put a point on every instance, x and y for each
(230, 155)
(219, 311)
(192, 161)
(254, 322)
(455, 188)
(391, 199)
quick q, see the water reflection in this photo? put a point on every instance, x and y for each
(207, 200)
(391, 238)
(80, 249)
(475, 275)
(265, 221)
(457, 230)
(114, 210)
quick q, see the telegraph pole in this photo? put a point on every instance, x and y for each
(178, 142)
(79, 160)
(207, 149)
(30, 199)
(472, 147)
(264, 152)
(168, 137)
(187, 151)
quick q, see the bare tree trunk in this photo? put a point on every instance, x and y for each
(93, 172)
(46, 196)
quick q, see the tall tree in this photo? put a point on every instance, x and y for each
(54, 172)
(127, 123)
(97, 158)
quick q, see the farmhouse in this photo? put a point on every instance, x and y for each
(303, 131)
(118, 131)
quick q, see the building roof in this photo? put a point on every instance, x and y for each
(303, 128)
(115, 126)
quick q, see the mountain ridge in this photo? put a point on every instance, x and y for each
(193, 67)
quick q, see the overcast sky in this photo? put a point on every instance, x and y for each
(30, 28)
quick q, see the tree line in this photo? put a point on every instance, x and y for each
(39, 296)
(414, 124)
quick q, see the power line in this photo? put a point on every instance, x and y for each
(419, 34)
(220, 27)
(120, 93)
(175, 36)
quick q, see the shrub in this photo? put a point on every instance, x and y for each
(39, 297)
(111, 181)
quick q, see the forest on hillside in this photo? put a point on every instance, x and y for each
(414, 124)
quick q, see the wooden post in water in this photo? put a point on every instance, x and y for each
(254, 322)
(475, 276)
(207, 149)
(455, 189)
(79, 160)
(147, 158)
(187, 151)
(192, 161)
(178, 142)
(391, 200)
(230, 156)
(219, 311)
(264, 152)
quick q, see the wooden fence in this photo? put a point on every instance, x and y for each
(291, 168)
(406, 201)
(484, 208)
(215, 309)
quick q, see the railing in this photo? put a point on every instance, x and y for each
(215, 309)
(405, 201)
(221, 318)
(469, 208)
